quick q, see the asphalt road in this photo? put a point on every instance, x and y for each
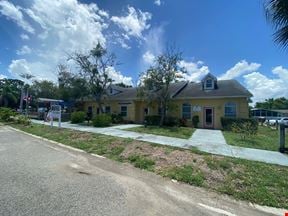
(41, 178)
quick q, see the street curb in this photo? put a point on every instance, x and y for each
(56, 143)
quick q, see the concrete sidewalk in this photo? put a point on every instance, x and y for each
(210, 141)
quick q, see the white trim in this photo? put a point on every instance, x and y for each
(212, 84)
(126, 110)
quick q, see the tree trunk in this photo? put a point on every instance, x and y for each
(6, 102)
(99, 106)
(163, 114)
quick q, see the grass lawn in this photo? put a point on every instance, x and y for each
(266, 138)
(178, 132)
(246, 180)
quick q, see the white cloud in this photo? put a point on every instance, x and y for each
(14, 13)
(157, 2)
(195, 70)
(24, 50)
(281, 72)
(263, 87)
(122, 42)
(134, 23)
(24, 37)
(39, 70)
(2, 76)
(103, 13)
(117, 77)
(153, 46)
(65, 26)
(239, 69)
(148, 57)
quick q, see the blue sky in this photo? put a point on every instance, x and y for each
(230, 39)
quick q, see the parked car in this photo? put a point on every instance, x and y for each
(284, 121)
(271, 122)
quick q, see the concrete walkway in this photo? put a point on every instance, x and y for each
(210, 141)
(209, 137)
(126, 126)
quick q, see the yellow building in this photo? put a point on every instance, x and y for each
(210, 99)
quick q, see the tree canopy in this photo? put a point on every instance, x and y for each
(10, 92)
(94, 67)
(156, 81)
(271, 103)
(277, 15)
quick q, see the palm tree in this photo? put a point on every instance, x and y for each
(277, 15)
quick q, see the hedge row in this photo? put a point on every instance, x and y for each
(227, 123)
(168, 121)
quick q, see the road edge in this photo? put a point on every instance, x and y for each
(55, 142)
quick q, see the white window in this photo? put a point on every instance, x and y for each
(230, 110)
(124, 111)
(209, 84)
(186, 111)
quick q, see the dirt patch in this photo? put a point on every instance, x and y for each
(166, 158)
(137, 147)
(81, 136)
(163, 156)
(116, 143)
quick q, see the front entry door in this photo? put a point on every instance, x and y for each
(208, 117)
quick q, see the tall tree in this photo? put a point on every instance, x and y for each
(156, 81)
(71, 86)
(277, 15)
(94, 67)
(64, 82)
(10, 91)
(44, 89)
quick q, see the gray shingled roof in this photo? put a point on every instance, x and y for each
(225, 88)
(131, 93)
(179, 90)
(125, 94)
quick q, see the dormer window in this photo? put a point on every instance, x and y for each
(209, 82)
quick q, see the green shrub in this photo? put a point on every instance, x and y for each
(117, 118)
(244, 129)
(228, 122)
(7, 114)
(102, 120)
(152, 119)
(171, 121)
(22, 119)
(195, 121)
(168, 121)
(78, 117)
